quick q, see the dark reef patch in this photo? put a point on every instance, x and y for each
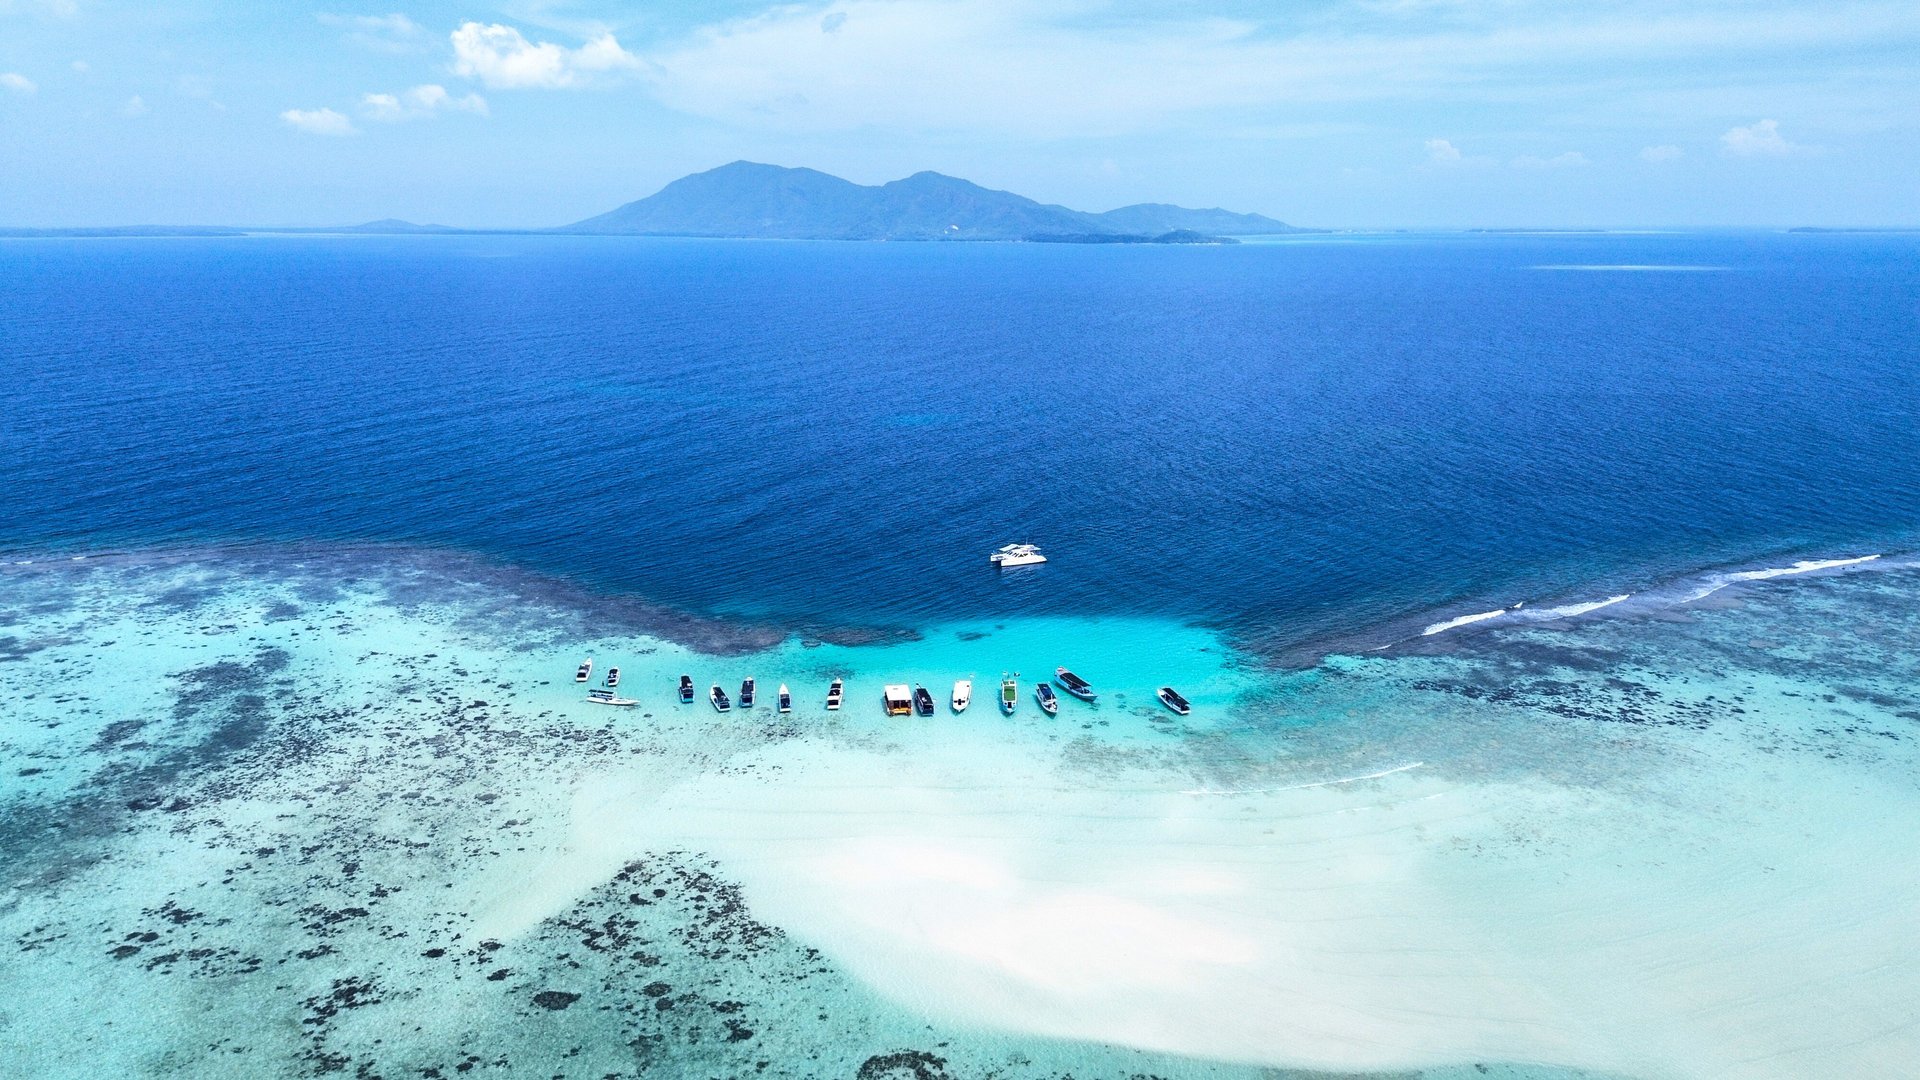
(903, 1065)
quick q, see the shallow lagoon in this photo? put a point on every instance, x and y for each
(300, 811)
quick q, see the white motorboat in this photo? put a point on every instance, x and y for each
(833, 696)
(786, 699)
(1009, 693)
(719, 699)
(1017, 555)
(606, 697)
(899, 698)
(746, 692)
(1049, 702)
(962, 695)
(1171, 699)
(613, 677)
(584, 671)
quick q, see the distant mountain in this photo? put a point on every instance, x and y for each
(746, 199)
(1156, 218)
(395, 225)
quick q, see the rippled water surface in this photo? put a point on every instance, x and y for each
(1548, 607)
(1297, 441)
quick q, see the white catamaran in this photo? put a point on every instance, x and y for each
(1017, 555)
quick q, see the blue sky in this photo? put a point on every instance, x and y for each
(1320, 112)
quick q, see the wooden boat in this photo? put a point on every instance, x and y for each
(719, 699)
(833, 696)
(1074, 684)
(922, 700)
(584, 671)
(786, 699)
(606, 697)
(686, 689)
(1049, 703)
(1174, 701)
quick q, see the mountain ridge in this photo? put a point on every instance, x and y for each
(751, 200)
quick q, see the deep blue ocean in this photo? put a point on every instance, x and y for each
(1298, 441)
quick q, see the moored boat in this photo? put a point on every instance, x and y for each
(613, 677)
(585, 670)
(1009, 694)
(719, 699)
(606, 697)
(833, 696)
(686, 689)
(786, 699)
(1172, 700)
(746, 692)
(1074, 684)
(899, 699)
(1049, 702)
(922, 700)
(1017, 555)
(962, 695)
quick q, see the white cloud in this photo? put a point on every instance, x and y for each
(1082, 68)
(1442, 152)
(501, 57)
(1572, 159)
(1761, 138)
(1659, 154)
(16, 82)
(420, 103)
(318, 121)
(382, 33)
(135, 106)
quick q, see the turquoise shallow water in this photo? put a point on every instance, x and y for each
(321, 810)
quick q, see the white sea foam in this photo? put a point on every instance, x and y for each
(1463, 620)
(1568, 611)
(1805, 566)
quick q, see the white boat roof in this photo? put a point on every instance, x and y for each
(898, 690)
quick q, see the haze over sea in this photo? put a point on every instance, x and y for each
(303, 536)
